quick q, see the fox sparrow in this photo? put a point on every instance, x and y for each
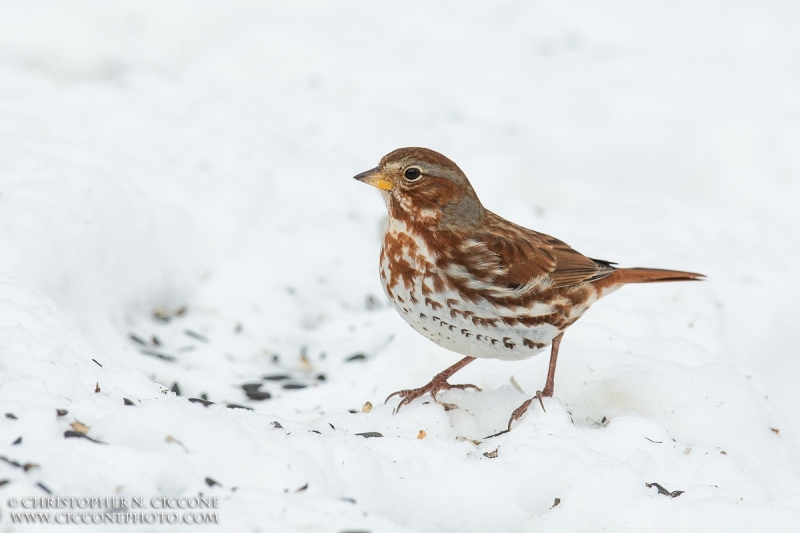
(475, 283)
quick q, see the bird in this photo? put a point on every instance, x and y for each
(475, 283)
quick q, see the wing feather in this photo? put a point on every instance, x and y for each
(530, 258)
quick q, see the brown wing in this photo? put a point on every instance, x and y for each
(527, 254)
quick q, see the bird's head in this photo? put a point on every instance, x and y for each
(425, 188)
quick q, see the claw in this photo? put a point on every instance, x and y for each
(539, 396)
(392, 395)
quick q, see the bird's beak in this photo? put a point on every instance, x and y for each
(375, 178)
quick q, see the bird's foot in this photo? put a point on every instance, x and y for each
(522, 409)
(436, 385)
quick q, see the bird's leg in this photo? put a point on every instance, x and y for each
(551, 371)
(548, 387)
(438, 383)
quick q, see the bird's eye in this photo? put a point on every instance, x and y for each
(412, 174)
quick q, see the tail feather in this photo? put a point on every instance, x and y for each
(651, 275)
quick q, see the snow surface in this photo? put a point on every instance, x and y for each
(198, 155)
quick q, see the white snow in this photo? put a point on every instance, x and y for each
(199, 155)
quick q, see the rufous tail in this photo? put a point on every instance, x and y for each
(651, 275)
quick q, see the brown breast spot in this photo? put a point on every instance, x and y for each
(484, 322)
(433, 304)
(533, 345)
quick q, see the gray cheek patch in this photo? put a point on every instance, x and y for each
(466, 211)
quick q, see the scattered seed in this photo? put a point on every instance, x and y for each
(205, 403)
(276, 377)
(421, 435)
(176, 388)
(516, 385)
(492, 454)
(181, 310)
(9, 461)
(18, 441)
(12, 416)
(155, 341)
(276, 424)
(356, 357)
(161, 314)
(688, 450)
(257, 395)
(301, 489)
(369, 434)
(723, 452)
(80, 427)
(44, 488)
(348, 500)
(29, 466)
(352, 411)
(237, 406)
(465, 439)
(367, 407)
(98, 364)
(159, 355)
(320, 377)
(74, 434)
(371, 303)
(135, 338)
(305, 363)
(449, 406)
(555, 502)
(210, 482)
(196, 336)
(4, 481)
(776, 431)
(294, 386)
(654, 441)
(96, 387)
(665, 492)
(61, 412)
(170, 439)
(126, 401)
(331, 425)
(315, 431)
